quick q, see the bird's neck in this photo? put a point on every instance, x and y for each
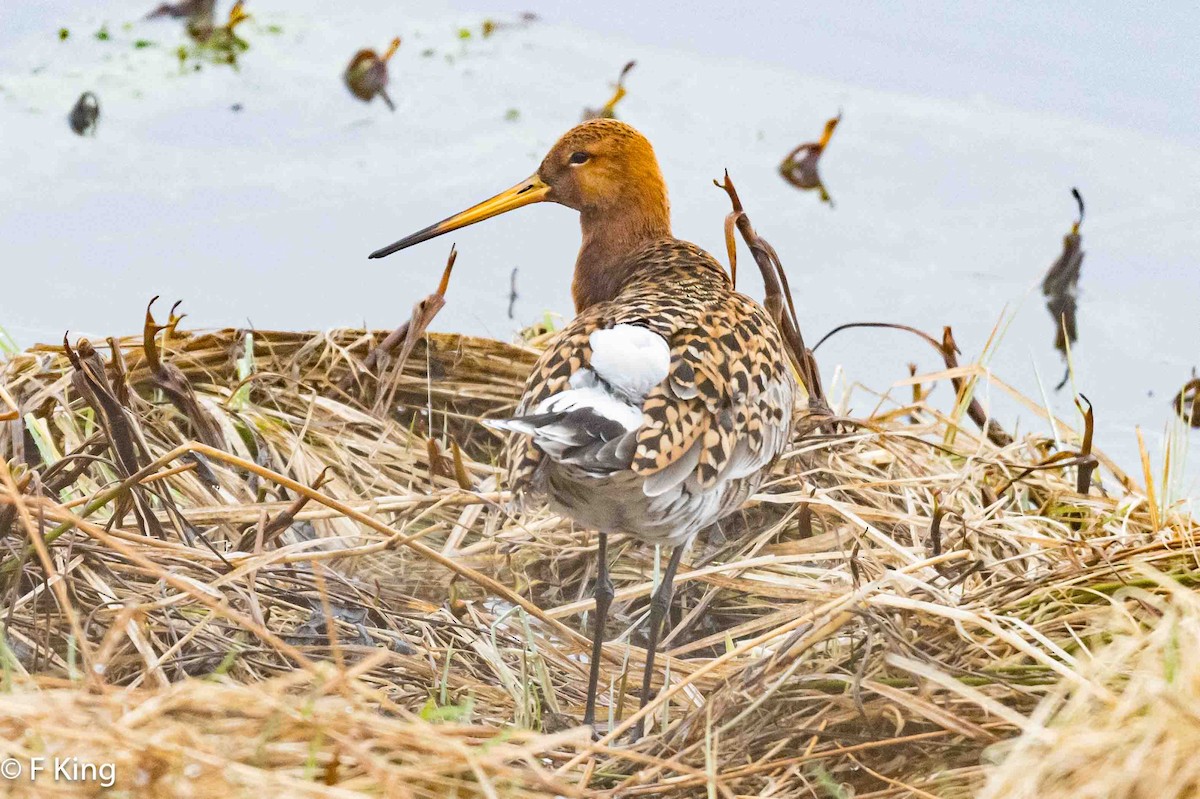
(605, 266)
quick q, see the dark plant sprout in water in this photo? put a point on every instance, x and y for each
(799, 167)
(1187, 402)
(512, 292)
(1061, 288)
(608, 110)
(85, 115)
(367, 74)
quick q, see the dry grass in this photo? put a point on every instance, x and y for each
(903, 595)
(1132, 728)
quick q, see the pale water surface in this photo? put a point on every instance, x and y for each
(963, 133)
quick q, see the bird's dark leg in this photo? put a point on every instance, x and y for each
(660, 603)
(604, 596)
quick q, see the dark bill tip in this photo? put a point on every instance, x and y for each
(416, 238)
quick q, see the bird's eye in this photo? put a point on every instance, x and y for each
(579, 158)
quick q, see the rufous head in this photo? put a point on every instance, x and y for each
(601, 168)
(600, 165)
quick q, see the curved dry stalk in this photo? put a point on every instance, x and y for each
(778, 294)
(949, 351)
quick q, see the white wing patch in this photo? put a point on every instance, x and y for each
(631, 359)
(592, 424)
(587, 392)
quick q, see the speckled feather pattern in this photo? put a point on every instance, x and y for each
(729, 394)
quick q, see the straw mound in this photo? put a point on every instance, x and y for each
(899, 598)
(289, 736)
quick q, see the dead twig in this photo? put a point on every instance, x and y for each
(778, 302)
(172, 381)
(275, 526)
(405, 337)
(949, 351)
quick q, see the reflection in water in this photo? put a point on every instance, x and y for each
(367, 74)
(800, 166)
(85, 114)
(608, 110)
(1061, 288)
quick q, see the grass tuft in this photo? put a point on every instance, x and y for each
(314, 603)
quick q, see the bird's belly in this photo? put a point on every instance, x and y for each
(616, 503)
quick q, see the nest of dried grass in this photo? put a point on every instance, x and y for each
(240, 562)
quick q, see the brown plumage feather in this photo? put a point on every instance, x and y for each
(725, 358)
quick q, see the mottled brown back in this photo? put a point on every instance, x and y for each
(727, 366)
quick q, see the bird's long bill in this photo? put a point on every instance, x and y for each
(530, 190)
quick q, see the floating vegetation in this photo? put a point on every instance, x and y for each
(512, 115)
(219, 44)
(800, 166)
(191, 9)
(367, 74)
(1187, 401)
(491, 26)
(200, 25)
(1061, 288)
(608, 110)
(213, 43)
(85, 115)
